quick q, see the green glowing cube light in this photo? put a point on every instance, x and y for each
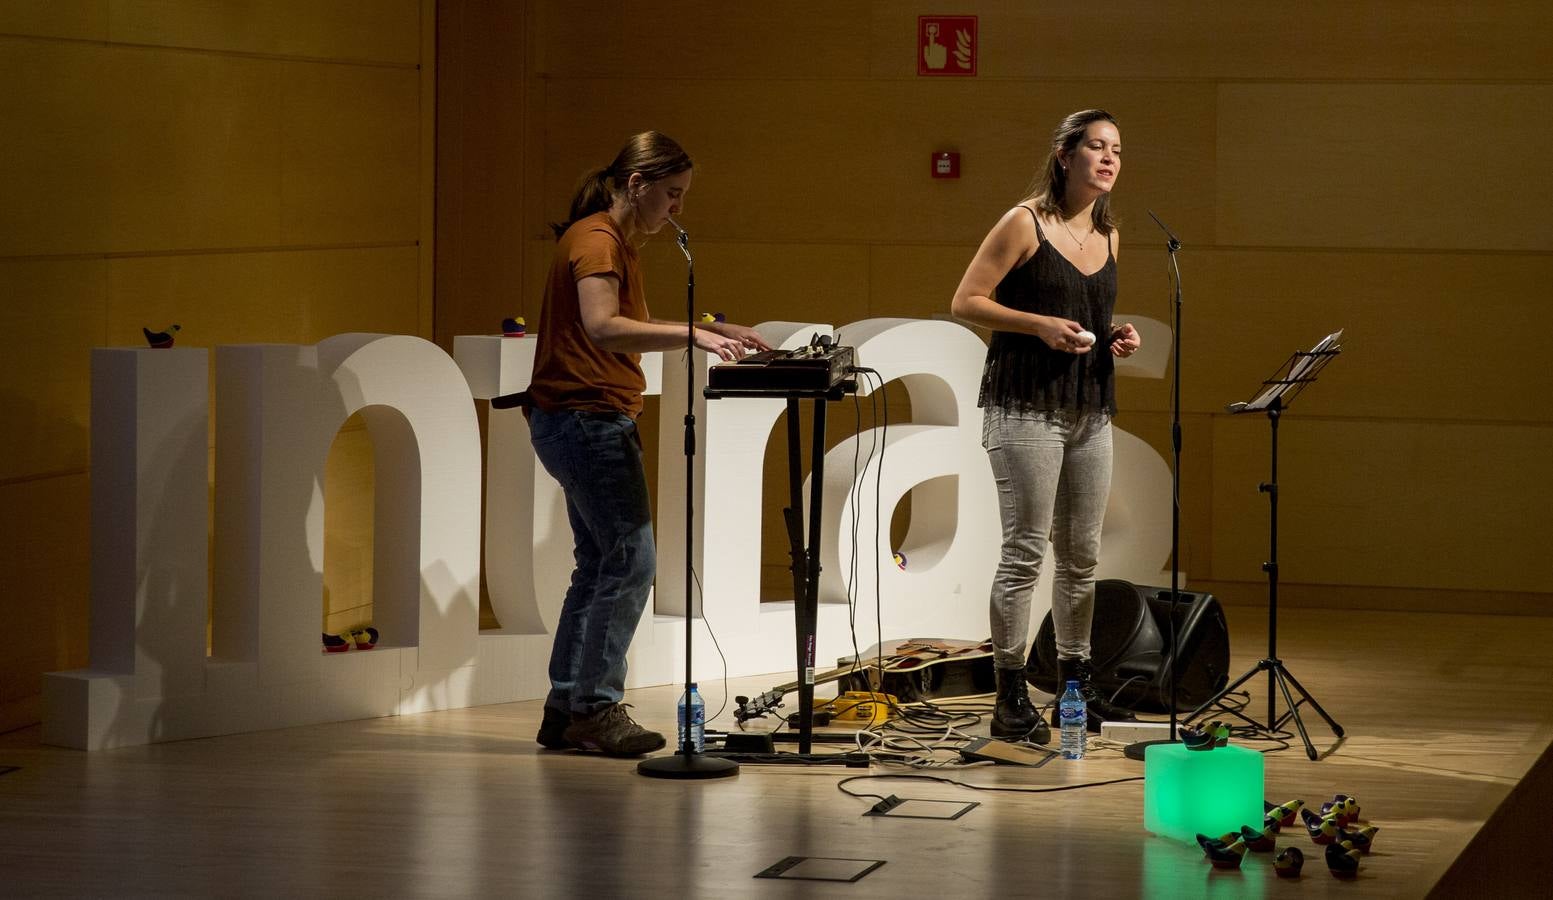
(1209, 791)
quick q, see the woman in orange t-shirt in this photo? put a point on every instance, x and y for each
(585, 397)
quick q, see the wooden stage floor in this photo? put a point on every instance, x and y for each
(1445, 714)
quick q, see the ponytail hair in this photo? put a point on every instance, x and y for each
(651, 154)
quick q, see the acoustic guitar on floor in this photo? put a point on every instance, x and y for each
(913, 670)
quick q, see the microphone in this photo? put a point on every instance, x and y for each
(1172, 245)
(683, 237)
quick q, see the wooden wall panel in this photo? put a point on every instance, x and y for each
(351, 154)
(357, 30)
(1314, 41)
(482, 173)
(55, 177)
(194, 144)
(848, 161)
(44, 552)
(1428, 336)
(85, 20)
(297, 297)
(349, 480)
(1460, 506)
(757, 282)
(701, 39)
(1440, 166)
(54, 312)
(250, 171)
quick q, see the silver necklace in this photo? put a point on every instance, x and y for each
(1075, 237)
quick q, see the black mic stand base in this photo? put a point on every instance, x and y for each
(1137, 749)
(682, 765)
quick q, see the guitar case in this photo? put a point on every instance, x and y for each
(1129, 641)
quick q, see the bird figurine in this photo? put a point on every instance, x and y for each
(1229, 857)
(1342, 860)
(1322, 830)
(1197, 738)
(334, 643)
(900, 560)
(1362, 839)
(1269, 821)
(1289, 862)
(1259, 841)
(709, 318)
(365, 637)
(1284, 813)
(1344, 807)
(1325, 830)
(1209, 844)
(160, 340)
(1214, 734)
(514, 327)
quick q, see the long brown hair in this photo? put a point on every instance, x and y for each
(1051, 183)
(651, 154)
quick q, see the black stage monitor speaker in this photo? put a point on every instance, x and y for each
(1129, 648)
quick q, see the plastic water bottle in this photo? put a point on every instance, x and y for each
(697, 721)
(1073, 716)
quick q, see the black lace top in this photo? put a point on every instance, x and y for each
(1024, 374)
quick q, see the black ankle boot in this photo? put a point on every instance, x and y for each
(1012, 715)
(1099, 708)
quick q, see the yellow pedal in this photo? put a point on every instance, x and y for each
(862, 707)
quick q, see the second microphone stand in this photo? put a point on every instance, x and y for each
(1137, 749)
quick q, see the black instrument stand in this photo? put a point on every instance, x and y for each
(1278, 393)
(805, 554)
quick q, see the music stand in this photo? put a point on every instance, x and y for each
(1277, 394)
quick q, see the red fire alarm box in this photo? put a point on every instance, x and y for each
(946, 164)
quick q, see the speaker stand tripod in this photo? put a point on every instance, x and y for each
(1279, 391)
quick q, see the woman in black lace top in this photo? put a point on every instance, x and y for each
(1044, 282)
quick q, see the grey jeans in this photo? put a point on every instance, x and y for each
(1053, 473)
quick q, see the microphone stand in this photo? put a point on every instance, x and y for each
(686, 762)
(1136, 750)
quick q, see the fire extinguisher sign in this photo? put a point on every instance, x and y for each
(946, 45)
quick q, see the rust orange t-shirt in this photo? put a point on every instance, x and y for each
(570, 371)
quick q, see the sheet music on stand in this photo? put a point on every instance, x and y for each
(1299, 371)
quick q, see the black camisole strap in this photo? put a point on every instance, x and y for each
(1038, 233)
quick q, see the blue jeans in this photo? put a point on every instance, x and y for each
(1053, 473)
(597, 458)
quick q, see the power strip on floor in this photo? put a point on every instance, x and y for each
(1133, 732)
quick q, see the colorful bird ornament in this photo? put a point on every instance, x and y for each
(334, 643)
(709, 318)
(1343, 860)
(1323, 830)
(1344, 807)
(1289, 862)
(514, 327)
(1283, 813)
(1362, 838)
(1214, 734)
(1229, 857)
(1216, 843)
(160, 340)
(1263, 841)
